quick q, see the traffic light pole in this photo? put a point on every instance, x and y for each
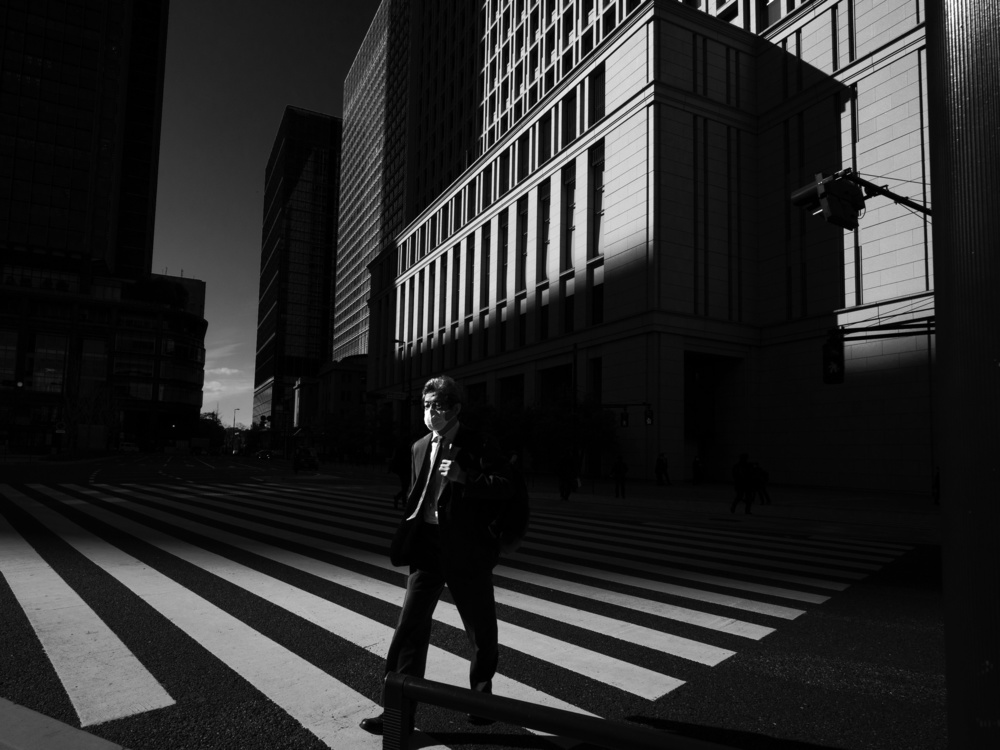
(840, 197)
(871, 190)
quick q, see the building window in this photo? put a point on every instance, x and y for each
(48, 365)
(470, 272)
(597, 200)
(411, 309)
(596, 91)
(502, 318)
(521, 262)
(523, 154)
(545, 138)
(544, 227)
(8, 358)
(568, 216)
(421, 303)
(569, 312)
(484, 334)
(432, 293)
(484, 283)
(488, 186)
(502, 260)
(543, 318)
(522, 322)
(503, 177)
(597, 295)
(456, 282)
(470, 202)
(568, 118)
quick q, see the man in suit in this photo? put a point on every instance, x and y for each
(461, 485)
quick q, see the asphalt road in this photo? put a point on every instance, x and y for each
(253, 606)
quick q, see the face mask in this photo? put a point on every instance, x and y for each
(435, 421)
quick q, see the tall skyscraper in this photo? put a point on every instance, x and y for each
(94, 349)
(298, 242)
(412, 115)
(625, 237)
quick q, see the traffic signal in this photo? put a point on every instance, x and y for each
(833, 358)
(649, 415)
(623, 420)
(834, 196)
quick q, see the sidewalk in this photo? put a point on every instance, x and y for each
(24, 729)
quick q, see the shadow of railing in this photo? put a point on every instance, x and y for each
(402, 691)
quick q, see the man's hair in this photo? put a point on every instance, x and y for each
(445, 388)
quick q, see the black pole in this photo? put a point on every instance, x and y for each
(963, 46)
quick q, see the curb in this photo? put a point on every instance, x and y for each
(24, 729)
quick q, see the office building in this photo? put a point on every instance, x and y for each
(95, 350)
(625, 245)
(412, 115)
(297, 277)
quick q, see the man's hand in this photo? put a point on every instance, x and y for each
(451, 470)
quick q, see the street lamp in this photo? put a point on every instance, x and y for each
(234, 418)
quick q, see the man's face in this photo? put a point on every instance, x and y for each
(439, 413)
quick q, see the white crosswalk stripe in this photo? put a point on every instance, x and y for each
(102, 678)
(577, 586)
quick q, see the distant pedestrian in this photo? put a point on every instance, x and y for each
(618, 471)
(568, 475)
(399, 464)
(662, 471)
(742, 484)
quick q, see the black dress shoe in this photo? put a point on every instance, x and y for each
(481, 721)
(373, 724)
(376, 724)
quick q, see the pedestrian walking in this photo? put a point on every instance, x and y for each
(568, 476)
(454, 520)
(399, 464)
(742, 484)
(618, 471)
(662, 471)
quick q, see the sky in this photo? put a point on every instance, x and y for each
(232, 68)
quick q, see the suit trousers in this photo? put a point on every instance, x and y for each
(472, 592)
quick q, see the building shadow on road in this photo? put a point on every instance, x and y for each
(732, 738)
(478, 739)
(728, 738)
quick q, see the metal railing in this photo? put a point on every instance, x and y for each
(402, 691)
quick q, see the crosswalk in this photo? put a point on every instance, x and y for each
(588, 612)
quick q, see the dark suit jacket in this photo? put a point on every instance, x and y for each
(465, 510)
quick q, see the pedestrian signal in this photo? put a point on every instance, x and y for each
(833, 358)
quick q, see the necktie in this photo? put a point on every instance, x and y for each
(433, 482)
(429, 492)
